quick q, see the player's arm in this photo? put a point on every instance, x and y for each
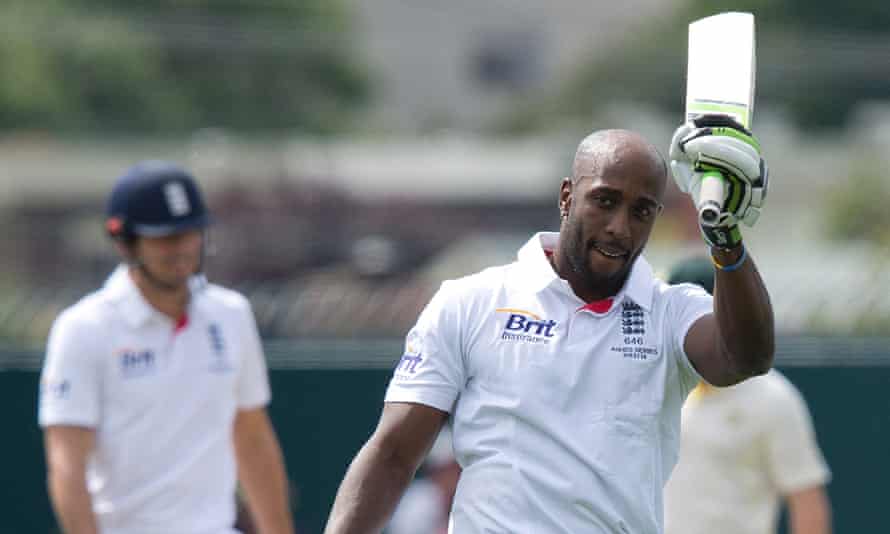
(809, 511)
(261, 471)
(383, 468)
(738, 340)
(67, 451)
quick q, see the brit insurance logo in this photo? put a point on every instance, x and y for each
(137, 363)
(527, 327)
(407, 366)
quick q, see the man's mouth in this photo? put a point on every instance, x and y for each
(609, 251)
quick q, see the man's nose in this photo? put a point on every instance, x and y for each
(619, 224)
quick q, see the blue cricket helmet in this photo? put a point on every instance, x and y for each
(155, 199)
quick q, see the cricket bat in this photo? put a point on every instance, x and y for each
(720, 77)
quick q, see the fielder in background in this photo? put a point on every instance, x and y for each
(564, 372)
(743, 450)
(154, 388)
(426, 504)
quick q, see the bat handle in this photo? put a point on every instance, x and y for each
(710, 198)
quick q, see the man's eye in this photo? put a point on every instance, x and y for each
(604, 202)
(645, 212)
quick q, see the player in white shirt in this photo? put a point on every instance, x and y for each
(745, 449)
(154, 388)
(426, 504)
(564, 373)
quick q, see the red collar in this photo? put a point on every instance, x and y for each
(597, 306)
(181, 324)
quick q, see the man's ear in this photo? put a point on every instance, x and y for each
(126, 249)
(565, 197)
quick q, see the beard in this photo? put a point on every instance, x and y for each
(576, 251)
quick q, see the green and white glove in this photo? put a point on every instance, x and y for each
(711, 144)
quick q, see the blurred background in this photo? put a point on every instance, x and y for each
(356, 153)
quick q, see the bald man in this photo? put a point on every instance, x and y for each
(564, 372)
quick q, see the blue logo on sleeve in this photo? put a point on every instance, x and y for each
(56, 389)
(409, 361)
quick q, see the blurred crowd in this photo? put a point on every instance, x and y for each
(292, 247)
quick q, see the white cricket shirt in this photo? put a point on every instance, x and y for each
(162, 400)
(744, 447)
(565, 420)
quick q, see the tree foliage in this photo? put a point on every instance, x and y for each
(815, 61)
(149, 66)
(855, 210)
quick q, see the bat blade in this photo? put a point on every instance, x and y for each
(722, 66)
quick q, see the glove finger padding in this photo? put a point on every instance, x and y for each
(726, 153)
(681, 165)
(717, 143)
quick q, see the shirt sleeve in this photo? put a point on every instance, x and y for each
(253, 380)
(71, 379)
(794, 458)
(431, 370)
(688, 304)
(419, 510)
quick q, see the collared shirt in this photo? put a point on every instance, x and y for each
(565, 419)
(744, 447)
(162, 399)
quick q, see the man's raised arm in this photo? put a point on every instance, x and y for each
(738, 340)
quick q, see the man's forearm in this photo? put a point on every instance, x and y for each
(72, 504)
(744, 314)
(809, 512)
(369, 493)
(263, 479)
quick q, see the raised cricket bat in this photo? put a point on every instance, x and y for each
(720, 79)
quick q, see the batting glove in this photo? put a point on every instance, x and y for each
(719, 143)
